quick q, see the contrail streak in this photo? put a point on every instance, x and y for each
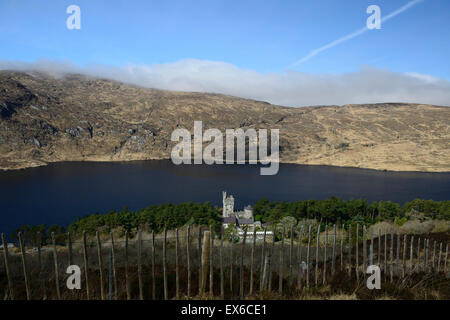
(355, 33)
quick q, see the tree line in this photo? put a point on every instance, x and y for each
(171, 216)
(335, 210)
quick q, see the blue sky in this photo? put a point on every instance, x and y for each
(261, 36)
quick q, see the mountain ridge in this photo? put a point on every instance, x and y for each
(46, 119)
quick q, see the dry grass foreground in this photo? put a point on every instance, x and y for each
(76, 118)
(418, 284)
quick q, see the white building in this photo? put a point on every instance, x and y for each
(8, 245)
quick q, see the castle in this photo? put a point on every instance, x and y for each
(240, 218)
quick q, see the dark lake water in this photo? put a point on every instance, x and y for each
(61, 192)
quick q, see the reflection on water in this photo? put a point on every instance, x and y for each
(60, 192)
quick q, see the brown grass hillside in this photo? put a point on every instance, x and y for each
(76, 118)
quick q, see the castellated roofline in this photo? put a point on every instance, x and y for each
(228, 208)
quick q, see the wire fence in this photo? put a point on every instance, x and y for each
(190, 262)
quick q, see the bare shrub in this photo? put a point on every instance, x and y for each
(429, 226)
(385, 227)
(441, 226)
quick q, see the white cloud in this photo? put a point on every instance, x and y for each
(289, 88)
(424, 77)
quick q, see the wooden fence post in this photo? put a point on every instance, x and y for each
(418, 255)
(211, 267)
(100, 265)
(299, 258)
(231, 262)
(307, 256)
(342, 245)
(411, 255)
(69, 247)
(265, 271)
(252, 261)
(205, 261)
(153, 265)
(397, 257)
(41, 278)
(357, 252)
(350, 249)
(405, 240)
(271, 256)
(439, 261)
(8, 271)
(55, 260)
(86, 265)
(379, 248)
(113, 257)
(385, 253)
(291, 248)
(263, 251)
(188, 261)
(200, 273)
(364, 249)
(333, 261)
(222, 285)
(110, 274)
(110, 277)
(427, 244)
(241, 270)
(434, 256)
(127, 277)
(166, 294)
(370, 248)
(266, 278)
(24, 265)
(446, 257)
(139, 262)
(325, 257)
(316, 276)
(177, 258)
(392, 257)
(281, 275)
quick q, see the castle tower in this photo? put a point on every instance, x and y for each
(228, 205)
